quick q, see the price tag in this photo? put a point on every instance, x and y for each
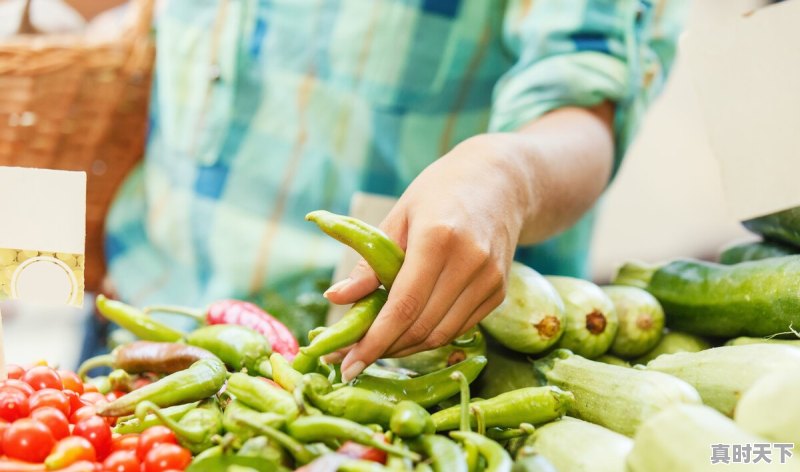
(746, 71)
(43, 221)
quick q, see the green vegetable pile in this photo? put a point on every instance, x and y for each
(643, 375)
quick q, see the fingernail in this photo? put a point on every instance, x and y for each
(337, 286)
(333, 358)
(352, 371)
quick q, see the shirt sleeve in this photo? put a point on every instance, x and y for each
(583, 52)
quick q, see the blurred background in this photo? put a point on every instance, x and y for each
(666, 202)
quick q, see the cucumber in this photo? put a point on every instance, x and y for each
(505, 370)
(722, 374)
(770, 408)
(757, 298)
(672, 342)
(577, 446)
(783, 226)
(618, 398)
(470, 344)
(590, 319)
(741, 341)
(755, 251)
(613, 360)
(531, 318)
(641, 320)
(681, 438)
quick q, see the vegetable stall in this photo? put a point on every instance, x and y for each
(672, 367)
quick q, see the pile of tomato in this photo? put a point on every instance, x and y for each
(48, 422)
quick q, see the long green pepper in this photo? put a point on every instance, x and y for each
(348, 330)
(196, 429)
(136, 425)
(355, 404)
(237, 346)
(203, 379)
(444, 454)
(136, 321)
(238, 415)
(261, 396)
(497, 459)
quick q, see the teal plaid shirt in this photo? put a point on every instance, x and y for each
(263, 110)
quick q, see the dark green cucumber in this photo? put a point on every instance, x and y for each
(755, 251)
(758, 298)
(783, 226)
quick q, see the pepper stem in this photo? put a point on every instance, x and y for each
(300, 452)
(176, 310)
(105, 360)
(480, 419)
(464, 399)
(191, 435)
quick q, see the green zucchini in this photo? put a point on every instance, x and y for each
(641, 320)
(505, 370)
(722, 374)
(681, 438)
(770, 408)
(470, 344)
(757, 298)
(531, 318)
(783, 226)
(755, 251)
(590, 319)
(578, 446)
(672, 342)
(618, 398)
(743, 340)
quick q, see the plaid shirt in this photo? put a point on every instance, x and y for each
(263, 110)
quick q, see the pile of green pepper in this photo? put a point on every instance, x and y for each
(238, 406)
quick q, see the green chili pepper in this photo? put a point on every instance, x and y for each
(196, 429)
(349, 330)
(261, 396)
(301, 453)
(136, 425)
(397, 463)
(528, 460)
(381, 252)
(319, 428)
(356, 404)
(410, 420)
(471, 453)
(532, 405)
(283, 373)
(203, 379)
(261, 446)
(102, 383)
(502, 434)
(236, 417)
(361, 465)
(135, 321)
(497, 459)
(119, 380)
(470, 344)
(427, 390)
(237, 346)
(444, 454)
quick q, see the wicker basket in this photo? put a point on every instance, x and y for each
(66, 103)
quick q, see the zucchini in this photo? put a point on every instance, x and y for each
(618, 398)
(755, 251)
(590, 319)
(770, 408)
(783, 226)
(681, 438)
(528, 460)
(641, 320)
(673, 342)
(531, 318)
(757, 298)
(613, 360)
(505, 370)
(577, 446)
(741, 341)
(722, 374)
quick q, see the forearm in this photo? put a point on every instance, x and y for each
(558, 165)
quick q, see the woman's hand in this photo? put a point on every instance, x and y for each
(460, 221)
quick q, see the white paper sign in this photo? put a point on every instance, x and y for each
(746, 71)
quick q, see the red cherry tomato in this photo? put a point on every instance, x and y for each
(54, 419)
(152, 437)
(13, 404)
(75, 401)
(141, 382)
(82, 466)
(82, 413)
(97, 431)
(28, 440)
(42, 376)
(68, 451)
(122, 461)
(125, 442)
(19, 385)
(360, 451)
(3, 427)
(90, 387)
(165, 457)
(14, 371)
(50, 397)
(94, 398)
(71, 381)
